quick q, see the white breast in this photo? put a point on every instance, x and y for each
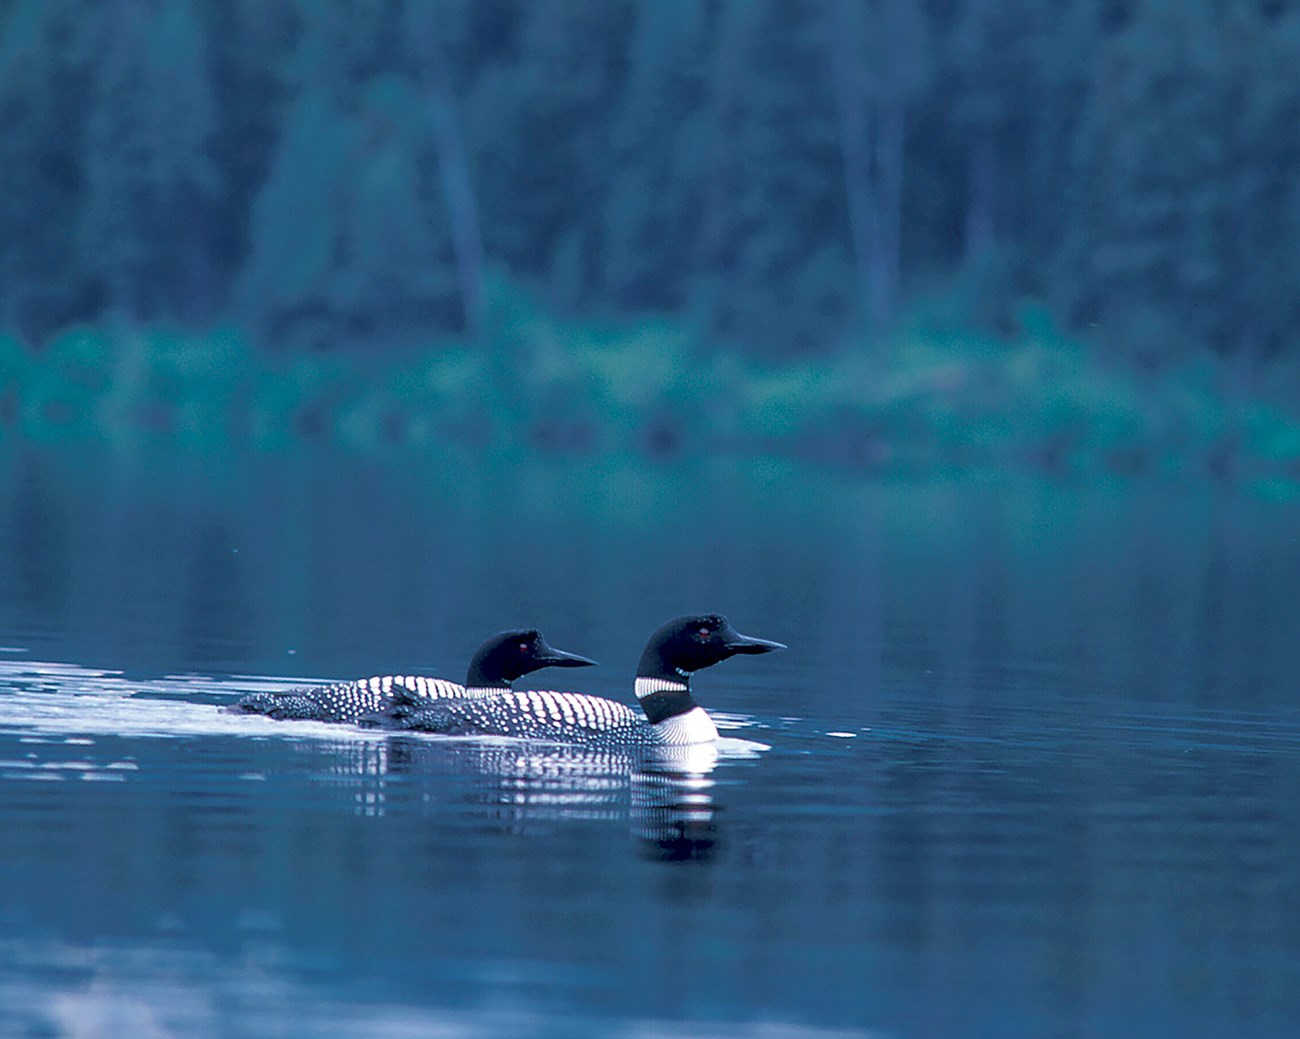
(695, 726)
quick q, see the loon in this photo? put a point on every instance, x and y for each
(499, 661)
(663, 687)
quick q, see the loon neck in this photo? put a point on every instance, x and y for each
(662, 698)
(479, 681)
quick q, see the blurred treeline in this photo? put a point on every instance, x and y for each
(786, 181)
(778, 170)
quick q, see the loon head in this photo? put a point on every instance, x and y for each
(686, 644)
(512, 654)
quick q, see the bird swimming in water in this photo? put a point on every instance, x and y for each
(663, 687)
(501, 660)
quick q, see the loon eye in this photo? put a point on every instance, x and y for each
(702, 634)
(523, 647)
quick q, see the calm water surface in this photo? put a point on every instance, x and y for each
(1031, 766)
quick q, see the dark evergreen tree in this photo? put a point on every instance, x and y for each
(1144, 243)
(1258, 245)
(988, 62)
(428, 35)
(778, 245)
(348, 243)
(877, 54)
(779, 173)
(539, 131)
(150, 180)
(43, 282)
(657, 164)
(251, 41)
(284, 291)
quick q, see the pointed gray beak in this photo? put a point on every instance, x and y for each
(738, 643)
(553, 657)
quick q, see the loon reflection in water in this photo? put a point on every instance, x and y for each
(664, 794)
(672, 810)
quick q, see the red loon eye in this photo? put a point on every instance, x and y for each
(523, 647)
(703, 633)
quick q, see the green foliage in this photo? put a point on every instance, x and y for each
(946, 402)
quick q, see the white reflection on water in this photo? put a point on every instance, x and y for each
(112, 991)
(56, 699)
(664, 793)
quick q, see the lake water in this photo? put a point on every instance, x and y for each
(1030, 767)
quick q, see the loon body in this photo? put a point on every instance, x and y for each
(669, 714)
(498, 662)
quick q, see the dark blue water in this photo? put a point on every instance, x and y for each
(1032, 760)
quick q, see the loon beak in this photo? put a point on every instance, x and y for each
(738, 643)
(552, 657)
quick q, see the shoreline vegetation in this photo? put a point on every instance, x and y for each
(891, 238)
(929, 402)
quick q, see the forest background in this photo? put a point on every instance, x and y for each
(888, 234)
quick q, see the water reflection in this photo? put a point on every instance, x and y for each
(666, 794)
(518, 785)
(39, 538)
(159, 991)
(673, 809)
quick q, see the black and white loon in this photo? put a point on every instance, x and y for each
(663, 687)
(499, 661)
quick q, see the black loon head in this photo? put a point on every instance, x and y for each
(687, 644)
(512, 654)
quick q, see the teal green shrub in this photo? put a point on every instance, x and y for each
(941, 401)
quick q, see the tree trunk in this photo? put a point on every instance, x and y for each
(855, 130)
(872, 124)
(712, 253)
(453, 166)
